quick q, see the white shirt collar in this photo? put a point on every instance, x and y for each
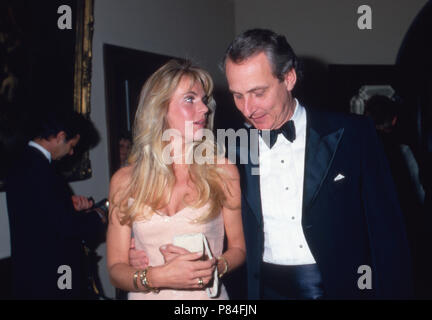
(297, 112)
(45, 152)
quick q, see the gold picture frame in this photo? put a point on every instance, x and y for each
(83, 56)
(82, 77)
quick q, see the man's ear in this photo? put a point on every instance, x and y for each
(290, 79)
(61, 136)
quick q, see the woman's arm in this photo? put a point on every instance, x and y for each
(118, 237)
(236, 250)
(183, 272)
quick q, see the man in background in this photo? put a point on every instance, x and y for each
(405, 171)
(47, 223)
(125, 146)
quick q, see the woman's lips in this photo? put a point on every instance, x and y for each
(200, 123)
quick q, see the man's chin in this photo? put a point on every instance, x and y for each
(261, 126)
(261, 123)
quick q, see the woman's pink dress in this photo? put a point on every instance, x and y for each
(151, 234)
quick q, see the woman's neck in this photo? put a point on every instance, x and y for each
(181, 152)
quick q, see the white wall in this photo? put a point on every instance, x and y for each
(328, 29)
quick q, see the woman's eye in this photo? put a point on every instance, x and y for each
(189, 99)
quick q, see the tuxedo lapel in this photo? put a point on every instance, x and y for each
(252, 188)
(251, 184)
(320, 151)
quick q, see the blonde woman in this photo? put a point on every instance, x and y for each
(158, 199)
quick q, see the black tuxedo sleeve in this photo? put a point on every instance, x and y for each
(391, 261)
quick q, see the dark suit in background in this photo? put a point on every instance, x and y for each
(46, 232)
(347, 223)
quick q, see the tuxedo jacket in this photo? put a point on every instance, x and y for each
(348, 223)
(46, 232)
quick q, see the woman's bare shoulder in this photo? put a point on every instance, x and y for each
(121, 177)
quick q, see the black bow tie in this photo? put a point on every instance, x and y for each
(288, 130)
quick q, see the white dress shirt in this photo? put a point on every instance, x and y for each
(45, 152)
(281, 186)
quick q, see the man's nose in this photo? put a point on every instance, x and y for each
(248, 107)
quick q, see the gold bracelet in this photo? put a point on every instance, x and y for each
(135, 278)
(226, 265)
(145, 282)
(142, 276)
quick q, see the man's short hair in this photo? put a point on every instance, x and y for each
(50, 123)
(277, 49)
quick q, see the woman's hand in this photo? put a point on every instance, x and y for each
(137, 258)
(183, 272)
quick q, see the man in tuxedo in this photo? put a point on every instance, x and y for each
(321, 219)
(47, 223)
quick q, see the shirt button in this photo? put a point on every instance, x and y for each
(300, 246)
(293, 218)
(282, 161)
(286, 188)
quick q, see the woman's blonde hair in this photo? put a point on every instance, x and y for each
(152, 180)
